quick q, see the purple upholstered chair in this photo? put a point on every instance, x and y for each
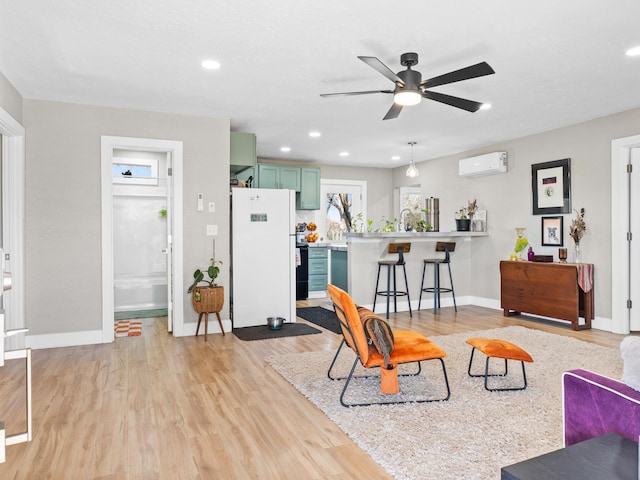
(595, 405)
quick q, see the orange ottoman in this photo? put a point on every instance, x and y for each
(494, 348)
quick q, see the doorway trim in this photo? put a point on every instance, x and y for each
(174, 148)
(620, 152)
(13, 194)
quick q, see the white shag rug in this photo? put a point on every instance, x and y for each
(476, 432)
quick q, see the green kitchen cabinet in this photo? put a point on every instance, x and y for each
(242, 152)
(278, 176)
(318, 268)
(339, 272)
(309, 196)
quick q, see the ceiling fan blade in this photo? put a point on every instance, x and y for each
(346, 94)
(478, 70)
(393, 112)
(380, 67)
(464, 104)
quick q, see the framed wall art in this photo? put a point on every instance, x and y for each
(551, 187)
(552, 231)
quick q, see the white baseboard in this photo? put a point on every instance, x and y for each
(67, 339)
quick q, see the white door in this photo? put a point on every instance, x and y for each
(169, 248)
(343, 208)
(634, 245)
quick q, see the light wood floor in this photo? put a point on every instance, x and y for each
(158, 407)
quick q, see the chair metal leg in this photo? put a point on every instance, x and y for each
(388, 287)
(335, 357)
(353, 367)
(486, 375)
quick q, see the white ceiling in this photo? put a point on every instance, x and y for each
(557, 63)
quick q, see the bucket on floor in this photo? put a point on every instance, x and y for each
(275, 323)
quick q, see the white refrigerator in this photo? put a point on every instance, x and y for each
(263, 257)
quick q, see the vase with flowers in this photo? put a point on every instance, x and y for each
(576, 232)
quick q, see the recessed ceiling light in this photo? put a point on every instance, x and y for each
(344, 154)
(314, 134)
(210, 64)
(485, 106)
(395, 158)
(633, 52)
(285, 149)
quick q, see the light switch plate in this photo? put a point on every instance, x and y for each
(212, 230)
(200, 202)
(212, 207)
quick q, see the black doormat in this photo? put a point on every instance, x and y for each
(322, 317)
(262, 332)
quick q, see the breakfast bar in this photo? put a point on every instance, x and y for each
(365, 249)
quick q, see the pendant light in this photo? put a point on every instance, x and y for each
(412, 171)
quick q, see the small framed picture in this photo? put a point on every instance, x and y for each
(552, 231)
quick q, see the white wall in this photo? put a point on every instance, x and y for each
(508, 198)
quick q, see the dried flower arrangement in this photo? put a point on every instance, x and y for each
(578, 226)
(472, 207)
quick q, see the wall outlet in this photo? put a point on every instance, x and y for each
(212, 230)
(212, 207)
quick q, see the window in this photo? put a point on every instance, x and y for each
(343, 204)
(135, 171)
(411, 200)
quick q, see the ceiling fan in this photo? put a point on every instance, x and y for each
(410, 88)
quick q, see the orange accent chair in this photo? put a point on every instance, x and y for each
(408, 347)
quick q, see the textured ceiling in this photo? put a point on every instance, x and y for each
(557, 63)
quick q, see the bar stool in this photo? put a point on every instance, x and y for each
(445, 247)
(400, 249)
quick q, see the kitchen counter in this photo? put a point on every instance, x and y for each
(330, 246)
(416, 234)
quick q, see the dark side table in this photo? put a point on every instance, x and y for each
(609, 457)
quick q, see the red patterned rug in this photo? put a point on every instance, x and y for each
(128, 328)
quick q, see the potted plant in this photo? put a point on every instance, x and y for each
(207, 298)
(463, 222)
(464, 215)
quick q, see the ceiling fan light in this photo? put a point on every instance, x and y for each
(407, 97)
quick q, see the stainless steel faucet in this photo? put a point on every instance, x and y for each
(402, 212)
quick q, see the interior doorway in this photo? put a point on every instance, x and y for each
(625, 253)
(142, 184)
(13, 213)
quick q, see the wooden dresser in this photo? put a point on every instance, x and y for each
(547, 289)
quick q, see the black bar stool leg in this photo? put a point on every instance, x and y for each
(452, 291)
(375, 293)
(424, 270)
(388, 287)
(406, 284)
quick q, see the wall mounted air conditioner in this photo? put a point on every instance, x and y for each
(488, 164)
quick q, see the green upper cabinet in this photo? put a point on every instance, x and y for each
(304, 180)
(268, 176)
(278, 176)
(290, 177)
(242, 151)
(309, 196)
